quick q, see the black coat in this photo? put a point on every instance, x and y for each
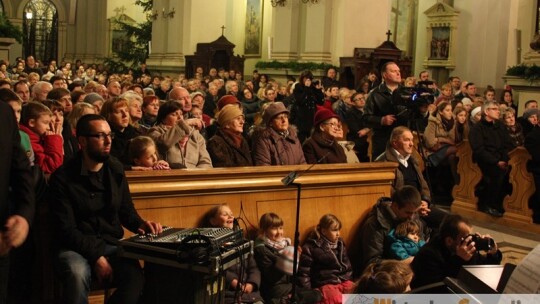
(490, 142)
(275, 284)
(224, 153)
(316, 150)
(532, 144)
(15, 174)
(320, 266)
(434, 262)
(306, 100)
(354, 121)
(84, 223)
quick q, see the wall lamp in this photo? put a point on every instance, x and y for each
(152, 16)
(169, 14)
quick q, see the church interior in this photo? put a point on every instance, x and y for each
(476, 41)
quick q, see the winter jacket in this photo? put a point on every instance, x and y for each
(317, 150)
(274, 283)
(271, 148)
(225, 154)
(400, 248)
(48, 150)
(490, 142)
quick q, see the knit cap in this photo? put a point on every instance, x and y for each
(228, 113)
(274, 109)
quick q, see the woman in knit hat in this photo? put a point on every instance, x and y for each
(323, 147)
(277, 143)
(228, 148)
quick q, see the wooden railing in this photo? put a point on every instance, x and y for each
(517, 215)
(179, 198)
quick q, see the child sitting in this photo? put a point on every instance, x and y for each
(324, 264)
(404, 241)
(142, 153)
(45, 136)
(385, 277)
(271, 254)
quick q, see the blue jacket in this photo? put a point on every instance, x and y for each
(401, 247)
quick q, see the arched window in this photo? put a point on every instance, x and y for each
(40, 30)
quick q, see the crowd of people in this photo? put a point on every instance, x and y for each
(72, 118)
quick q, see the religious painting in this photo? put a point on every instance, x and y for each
(253, 40)
(440, 43)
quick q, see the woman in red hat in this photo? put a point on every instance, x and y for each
(322, 147)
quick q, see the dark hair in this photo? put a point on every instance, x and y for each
(305, 74)
(407, 196)
(327, 221)
(529, 102)
(450, 226)
(3, 82)
(385, 66)
(166, 109)
(269, 220)
(55, 78)
(8, 95)
(58, 93)
(75, 95)
(406, 227)
(138, 145)
(469, 84)
(20, 82)
(83, 125)
(33, 110)
(54, 105)
(504, 93)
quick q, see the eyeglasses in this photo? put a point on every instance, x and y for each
(101, 135)
(358, 99)
(333, 124)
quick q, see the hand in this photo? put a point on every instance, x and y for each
(248, 288)
(388, 120)
(16, 230)
(424, 209)
(502, 164)
(493, 249)
(363, 132)
(195, 122)
(103, 270)
(140, 168)
(161, 165)
(150, 227)
(466, 250)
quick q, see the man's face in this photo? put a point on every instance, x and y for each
(492, 112)
(455, 83)
(184, 96)
(120, 117)
(532, 105)
(45, 89)
(392, 75)
(404, 145)
(405, 213)
(59, 83)
(464, 231)
(331, 73)
(23, 92)
(424, 76)
(97, 148)
(114, 89)
(471, 90)
(30, 61)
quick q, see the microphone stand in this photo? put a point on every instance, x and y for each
(287, 181)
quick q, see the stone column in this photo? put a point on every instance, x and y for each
(169, 32)
(285, 33)
(316, 31)
(88, 39)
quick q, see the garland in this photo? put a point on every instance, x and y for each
(528, 72)
(293, 65)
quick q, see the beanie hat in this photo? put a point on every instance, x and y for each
(273, 109)
(529, 112)
(192, 95)
(475, 111)
(466, 101)
(92, 97)
(228, 113)
(322, 115)
(226, 100)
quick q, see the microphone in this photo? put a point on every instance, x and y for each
(236, 225)
(293, 175)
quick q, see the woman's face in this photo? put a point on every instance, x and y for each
(307, 82)
(446, 112)
(224, 218)
(509, 119)
(198, 100)
(507, 97)
(270, 95)
(152, 108)
(280, 122)
(331, 128)
(120, 117)
(237, 124)
(247, 94)
(533, 119)
(135, 110)
(461, 117)
(173, 118)
(263, 78)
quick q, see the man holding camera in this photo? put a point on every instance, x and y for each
(454, 247)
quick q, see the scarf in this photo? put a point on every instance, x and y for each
(279, 245)
(448, 124)
(235, 137)
(332, 245)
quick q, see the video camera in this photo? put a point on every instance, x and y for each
(412, 98)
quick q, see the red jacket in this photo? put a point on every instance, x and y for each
(48, 150)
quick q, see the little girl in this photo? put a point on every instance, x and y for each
(385, 277)
(143, 155)
(45, 136)
(272, 257)
(404, 241)
(324, 263)
(242, 280)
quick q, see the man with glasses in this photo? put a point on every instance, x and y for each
(91, 206)
(491, 143)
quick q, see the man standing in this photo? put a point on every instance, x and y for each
(490, 143)
(16, 193)
(380, 113)
(91, 205)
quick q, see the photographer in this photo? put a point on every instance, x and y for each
(455, 246)
(307, 95)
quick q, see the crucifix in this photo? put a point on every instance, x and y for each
(222, 29)
(120, 10)
(388, 34)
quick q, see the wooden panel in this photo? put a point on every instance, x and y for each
(179, 198)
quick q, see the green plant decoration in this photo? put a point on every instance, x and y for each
(292, 65)
(528, 72)
(8, 30)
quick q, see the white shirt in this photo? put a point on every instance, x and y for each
(402, 159)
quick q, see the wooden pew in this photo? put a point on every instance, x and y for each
(517, 215)
(179, 198)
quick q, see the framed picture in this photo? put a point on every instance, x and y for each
(253, 41)
(440, 42)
